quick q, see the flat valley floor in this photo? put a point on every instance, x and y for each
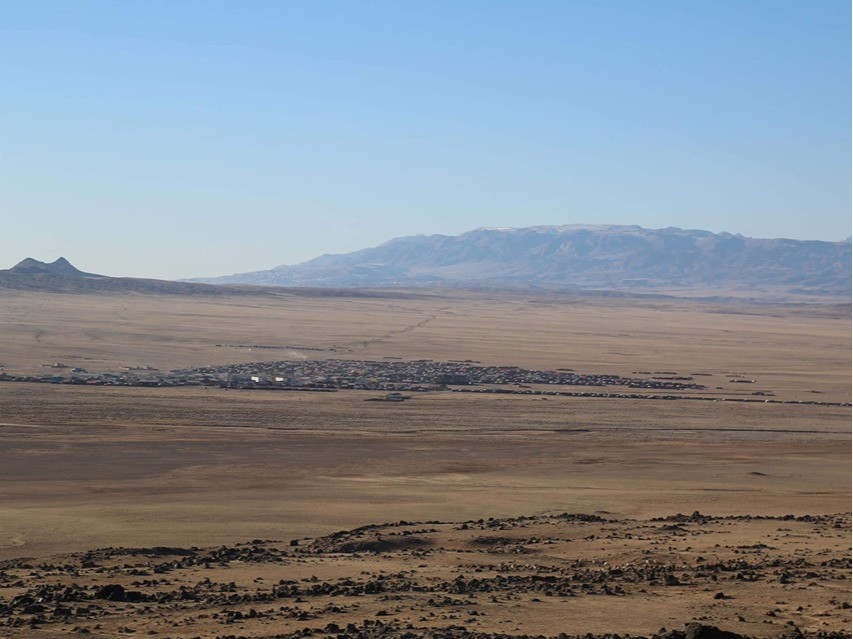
(582, 493)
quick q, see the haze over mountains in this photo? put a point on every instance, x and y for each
(576, 256)
(607, 259)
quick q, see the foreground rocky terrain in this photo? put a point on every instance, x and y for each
(550, 575)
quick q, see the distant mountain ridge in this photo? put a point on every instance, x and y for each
(578, 256)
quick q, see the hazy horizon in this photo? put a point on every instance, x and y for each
(602, 225)
(74, 259)
(179, 140)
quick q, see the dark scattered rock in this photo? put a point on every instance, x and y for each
(701, 631)
(111, 592)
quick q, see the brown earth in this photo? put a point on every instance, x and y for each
(90, 467)
(790, 350)
(548, 574)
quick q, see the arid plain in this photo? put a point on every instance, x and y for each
(87, 467)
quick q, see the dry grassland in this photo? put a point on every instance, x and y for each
(790, 349)
(87, 467)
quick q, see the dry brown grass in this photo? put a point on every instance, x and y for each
(83, 467)
(789, 349)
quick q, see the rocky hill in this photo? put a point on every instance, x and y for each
(61, 276)
(61, 266)
(596, 257)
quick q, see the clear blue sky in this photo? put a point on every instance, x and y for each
(170, 138)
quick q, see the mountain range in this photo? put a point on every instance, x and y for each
(627, 258)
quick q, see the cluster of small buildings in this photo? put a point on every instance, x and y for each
(394, 376)
(410, 375)
(131, 377)
(333, 374)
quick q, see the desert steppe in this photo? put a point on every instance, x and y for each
(182, 478)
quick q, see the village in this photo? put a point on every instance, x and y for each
(413, 375)
(334, 374)
(397, 376)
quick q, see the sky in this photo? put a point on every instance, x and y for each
(178, 138)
